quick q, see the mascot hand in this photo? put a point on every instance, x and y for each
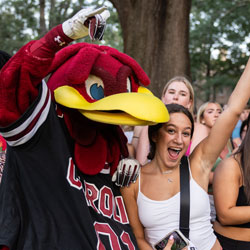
(87, 21)
(127, 172)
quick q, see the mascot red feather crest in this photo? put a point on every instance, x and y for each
(91, 56)
(64, 142)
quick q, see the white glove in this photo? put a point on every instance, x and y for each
(127, 172)
(78, 26)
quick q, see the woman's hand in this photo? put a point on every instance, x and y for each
(170, 243)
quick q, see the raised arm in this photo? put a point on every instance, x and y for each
(205, 154)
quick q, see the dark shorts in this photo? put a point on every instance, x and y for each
(230, 244)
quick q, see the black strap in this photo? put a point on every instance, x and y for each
(185, 197)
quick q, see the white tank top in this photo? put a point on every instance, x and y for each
(161, 217)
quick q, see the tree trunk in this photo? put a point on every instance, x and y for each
(52, 16)
(156, 34)
(42, 23)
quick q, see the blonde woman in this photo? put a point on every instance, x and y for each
(179, 90)
(207, 114)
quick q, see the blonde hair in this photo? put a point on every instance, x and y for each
(201, 110)
(200, 116)
(188, 85)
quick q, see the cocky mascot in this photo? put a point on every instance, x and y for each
(65, 142)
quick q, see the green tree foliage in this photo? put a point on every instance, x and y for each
(219, 44)
(219, 34)
(21, 21)
(16, 24)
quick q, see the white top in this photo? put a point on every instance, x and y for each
(129, 135)
(161, 217)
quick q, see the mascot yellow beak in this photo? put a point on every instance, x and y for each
(135, 108)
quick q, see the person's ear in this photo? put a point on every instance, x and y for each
(154, 137)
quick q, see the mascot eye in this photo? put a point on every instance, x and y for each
(129, 85)
(95, 87)
(96, 92)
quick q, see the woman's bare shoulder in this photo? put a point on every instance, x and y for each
(229, 166)
(227, 173)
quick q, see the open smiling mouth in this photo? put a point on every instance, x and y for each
(173, 152)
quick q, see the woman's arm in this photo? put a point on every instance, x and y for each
(129, 195)
(136, 136)
(205, 154)
(143, 146)
(226, 184)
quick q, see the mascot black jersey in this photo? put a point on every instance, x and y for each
(54, 206)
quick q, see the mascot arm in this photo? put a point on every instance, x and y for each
(22, 74)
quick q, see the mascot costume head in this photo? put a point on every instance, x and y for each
(103, 85)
